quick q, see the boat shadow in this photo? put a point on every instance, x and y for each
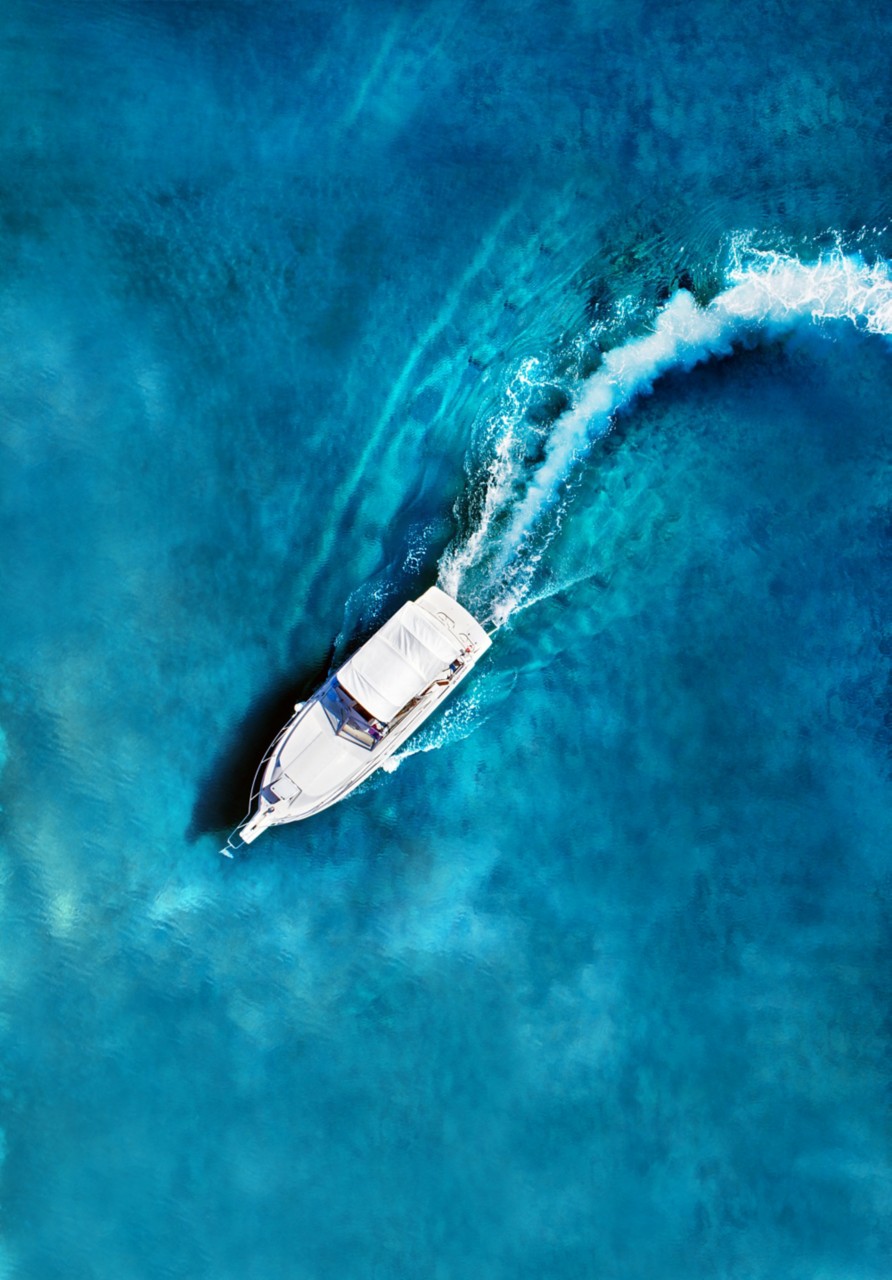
(224, 791)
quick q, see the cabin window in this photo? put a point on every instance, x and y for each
(348, 720)
(357, 733)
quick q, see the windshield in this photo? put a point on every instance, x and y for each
(349, 720)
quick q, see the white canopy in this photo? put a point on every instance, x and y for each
(399, 661)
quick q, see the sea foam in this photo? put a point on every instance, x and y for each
(766, 294)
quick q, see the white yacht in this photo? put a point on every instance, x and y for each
(364, 712)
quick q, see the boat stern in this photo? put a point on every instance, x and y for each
(456, 619)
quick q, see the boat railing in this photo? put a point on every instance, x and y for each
(446, 677)
(230, 849)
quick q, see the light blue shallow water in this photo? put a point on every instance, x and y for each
(295, 306)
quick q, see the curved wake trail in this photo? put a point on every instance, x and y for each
(492, 566)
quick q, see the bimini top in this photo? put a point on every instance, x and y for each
(407, 654)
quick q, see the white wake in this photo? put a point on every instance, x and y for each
(766, 294)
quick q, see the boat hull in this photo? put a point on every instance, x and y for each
(311, 766)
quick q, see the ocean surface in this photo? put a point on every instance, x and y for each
(582, 310)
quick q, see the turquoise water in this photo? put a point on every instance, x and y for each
(306, 308)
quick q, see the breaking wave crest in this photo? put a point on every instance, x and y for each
(530, 466)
